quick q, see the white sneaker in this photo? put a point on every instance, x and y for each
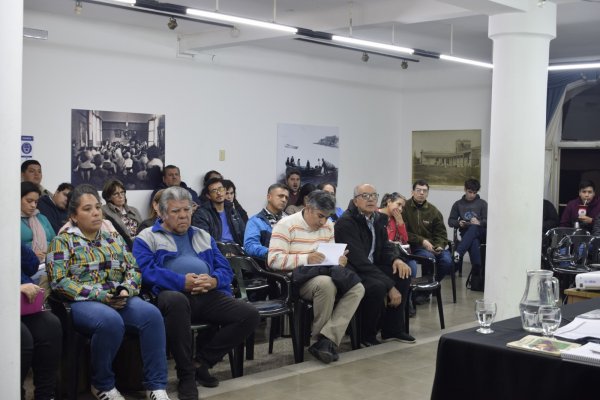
(456, 257)
(112, 394)
(158, 394)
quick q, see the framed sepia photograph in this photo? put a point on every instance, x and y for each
(126, 146)
(446, 158)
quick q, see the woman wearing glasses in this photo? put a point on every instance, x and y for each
(125, 219)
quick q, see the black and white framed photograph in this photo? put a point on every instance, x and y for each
(312, 150)
(126, 146)
(446, 158)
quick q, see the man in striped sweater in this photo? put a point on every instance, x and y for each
(293, 244)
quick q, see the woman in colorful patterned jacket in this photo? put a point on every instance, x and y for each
(95, 271)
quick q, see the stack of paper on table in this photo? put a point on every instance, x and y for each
(586, 354)
(581, 327)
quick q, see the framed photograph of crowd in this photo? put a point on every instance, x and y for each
(126, 146)
(312, 150)
(446, 158)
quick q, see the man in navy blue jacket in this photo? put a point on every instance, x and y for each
(183, 267)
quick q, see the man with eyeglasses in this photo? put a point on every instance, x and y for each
(384, 274)
(184, 269)
(218, 216)
(427, 233)
(469, 216)
(293, 247)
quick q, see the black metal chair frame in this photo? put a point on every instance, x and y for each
(274, 308)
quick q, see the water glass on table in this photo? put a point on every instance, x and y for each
(549, 318)
(485, 311)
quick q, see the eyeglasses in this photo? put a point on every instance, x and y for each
(421, 190)
(185, 210)
(217, 190)
(119, 194)
(368, 196)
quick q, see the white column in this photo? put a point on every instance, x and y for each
(521, 47)
(11, 51)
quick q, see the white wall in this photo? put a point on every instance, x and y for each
(234, 104)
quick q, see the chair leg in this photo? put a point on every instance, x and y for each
(453, 280)
(297, 322)
(354, 331)
(236, 361)
(250, 347)
(440, 308)
(407, 311)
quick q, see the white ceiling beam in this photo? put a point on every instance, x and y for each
(491, 7)
(225, 37)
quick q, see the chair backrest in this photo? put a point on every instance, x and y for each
(572, 251)
(231, 249)
(553, 236)
(594, 253)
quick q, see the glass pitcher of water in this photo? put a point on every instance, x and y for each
(541, 290)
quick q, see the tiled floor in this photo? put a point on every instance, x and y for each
(390, 370)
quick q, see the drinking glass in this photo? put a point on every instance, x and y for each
(549, 317)
(485, 311)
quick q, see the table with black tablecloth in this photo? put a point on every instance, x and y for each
(474, 366)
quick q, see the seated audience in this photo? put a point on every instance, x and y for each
(218, 217)
(231, 196)
(31, 171)
(292, 180)
(383, 273)
(55, 207)
(172, 177)
(36, 230)
(41, 335)
(97, 273)
(147, 223)
(427, 234)
(306, 189)
(293, 245)
(208, 176)
(580, 212)
(331, 188)
(258, 229)
(124, 218)
(550, 217)
(469, 216)
(183, 267)
(392, 205)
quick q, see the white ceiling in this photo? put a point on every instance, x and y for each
(435, 25)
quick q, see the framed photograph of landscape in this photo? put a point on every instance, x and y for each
(446, 158)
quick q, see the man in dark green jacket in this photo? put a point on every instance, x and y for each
(426, 229)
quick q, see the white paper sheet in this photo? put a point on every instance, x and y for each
(332, 252)
(580, 328)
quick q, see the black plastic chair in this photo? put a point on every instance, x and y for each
(75, 363)
(303, 316)
(257, 287)
(552, 238)
(274, 308)
(569, 258)
(426, 284)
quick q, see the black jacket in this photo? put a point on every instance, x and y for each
(207, 218)
(353, 230)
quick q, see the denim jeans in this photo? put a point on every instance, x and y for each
(470, 240)
(443, 260)
(106, 327)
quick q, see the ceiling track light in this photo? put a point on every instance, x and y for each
(172, 24)
(78, 7)
(239, 20)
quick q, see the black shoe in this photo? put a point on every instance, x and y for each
(370, 342)
(321, 350)
(399, 337)
(204, 378)
(187, 389)
(333, 349)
